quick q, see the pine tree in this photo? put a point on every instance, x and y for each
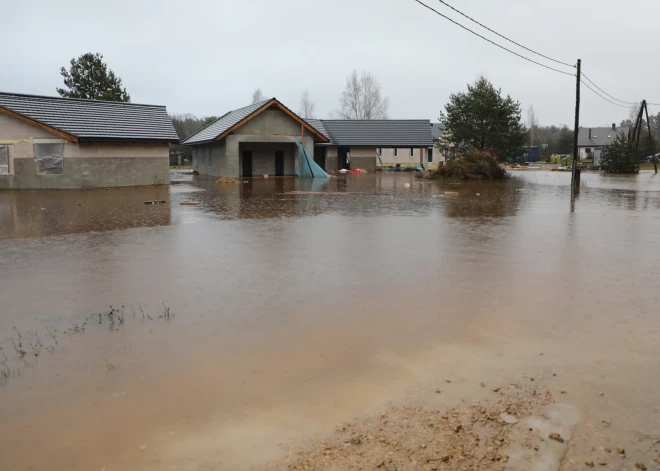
(89, 77)
(484, 120)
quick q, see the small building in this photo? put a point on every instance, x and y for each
(66, 143)
(261, 139)
(592, 140)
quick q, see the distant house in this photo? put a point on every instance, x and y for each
(592, 140)
(52, 142)
(260, 139)
(416, 155)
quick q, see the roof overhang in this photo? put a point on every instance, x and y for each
(270, 104)
(39, 124)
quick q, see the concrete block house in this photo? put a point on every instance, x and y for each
(260, 139)
(64, 143)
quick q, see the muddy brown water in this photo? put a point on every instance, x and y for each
(292, 313)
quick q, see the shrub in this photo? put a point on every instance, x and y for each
(478, 165)
(619, 156)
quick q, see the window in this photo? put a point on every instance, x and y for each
(395, 151)
(48, 158)
(5, 167)
(429, 155)
(412, 152)
(380, 152)
(210, 158)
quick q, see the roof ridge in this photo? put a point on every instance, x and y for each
(85, 100)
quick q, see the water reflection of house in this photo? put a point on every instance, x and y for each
(49, 142)
(260, 139)
(592, 140)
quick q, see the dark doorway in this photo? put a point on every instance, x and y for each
(247, 163)
(343, 162)
(279, 163)
(319, 156)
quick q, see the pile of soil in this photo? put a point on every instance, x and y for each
(227, 180)
(474, 437)
(475, 166)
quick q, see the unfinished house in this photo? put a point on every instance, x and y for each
(262, 139)
(66, 143)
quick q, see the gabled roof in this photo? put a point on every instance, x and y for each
(380, 133)
(436, 130)
(91, 120)
(227, 123)
(599, 136)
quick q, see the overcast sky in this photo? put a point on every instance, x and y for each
(207, 56)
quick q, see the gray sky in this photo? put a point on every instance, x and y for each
(207, 56)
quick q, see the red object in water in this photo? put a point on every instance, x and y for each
(357, 170)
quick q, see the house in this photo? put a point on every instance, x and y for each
(421, 156)
(57, 143)
(592, 140)
(261, 139)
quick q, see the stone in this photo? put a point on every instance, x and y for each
(590, 464)
(556, 437)
(620, 450)
(143, 447)
(356, 441)
(641, 466)
(437, 391)
(483, 385)
(508, 418)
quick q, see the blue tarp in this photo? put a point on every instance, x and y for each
(307, 168)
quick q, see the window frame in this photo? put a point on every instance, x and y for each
(396, 152)
(412, 152)
(36, 143)
(9, 163)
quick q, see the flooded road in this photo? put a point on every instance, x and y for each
(257, 321)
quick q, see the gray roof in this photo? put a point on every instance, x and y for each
(94, 120)
(380, 133)
(436, 130)
(318, 125)
(599, 136)
(217, 127)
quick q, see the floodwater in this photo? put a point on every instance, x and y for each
(258, 320)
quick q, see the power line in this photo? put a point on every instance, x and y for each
(492, 42)
(504, 37)
(601, 96)
(615, 99)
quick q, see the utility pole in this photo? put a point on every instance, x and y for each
(648, 125)
(575, 177)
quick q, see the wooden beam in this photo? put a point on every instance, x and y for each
(281, 107)
(38, 124)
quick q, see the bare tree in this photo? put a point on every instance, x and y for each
(533, 124)
(362, 99)
(307, 106)
(257, 96)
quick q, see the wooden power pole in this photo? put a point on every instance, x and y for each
(575, 177)
(648, 126)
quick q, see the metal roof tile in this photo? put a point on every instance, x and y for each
(94, 119)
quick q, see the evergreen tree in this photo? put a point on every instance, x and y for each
(482, 119)
(89, 77)
(620, 156)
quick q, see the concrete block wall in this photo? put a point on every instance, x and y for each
(94, 172)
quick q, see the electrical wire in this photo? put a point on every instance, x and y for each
(615, 99)
(606, 99)
(492, 42)
(504, 37)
